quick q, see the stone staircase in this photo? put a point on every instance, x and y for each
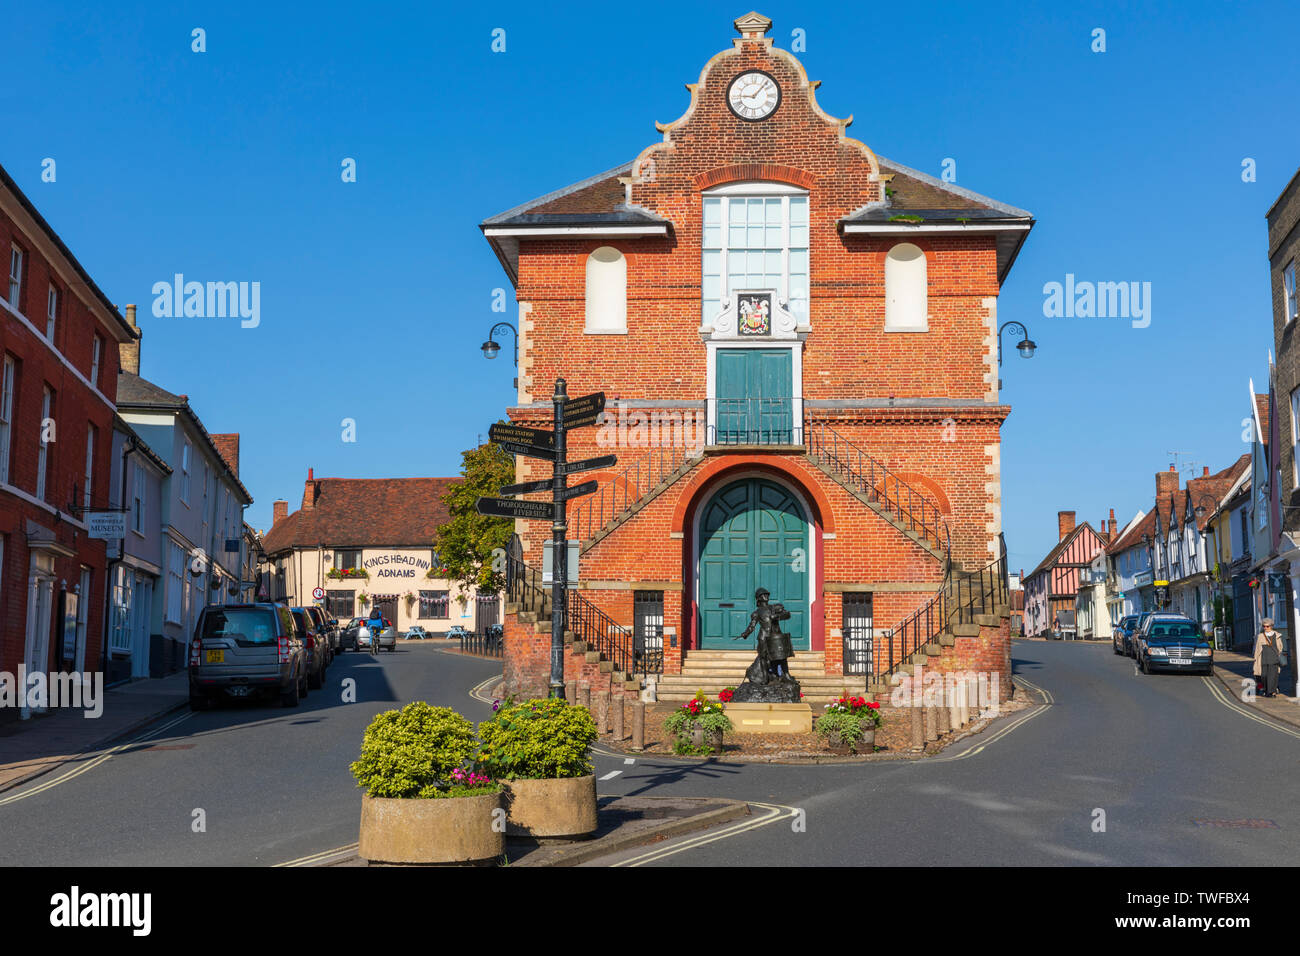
(711, 671)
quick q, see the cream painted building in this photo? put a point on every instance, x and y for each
(368, 542)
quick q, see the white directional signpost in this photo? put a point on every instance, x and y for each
(550, 446)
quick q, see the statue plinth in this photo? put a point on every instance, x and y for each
(778, 691)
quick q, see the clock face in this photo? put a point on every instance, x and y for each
(753, 95)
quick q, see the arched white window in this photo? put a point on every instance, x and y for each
(905, 289)
(606, 291)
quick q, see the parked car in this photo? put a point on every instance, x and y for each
(348, 634)
(386, 636)
(1174, 642)
(244, 650)
(1122, 635)
(330, 626)
(317, 646)
(387, 639)
(417, 633)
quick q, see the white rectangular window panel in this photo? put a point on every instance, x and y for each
(15, 275)
(90, 466)
(42, 452)
(185, 473)
(754, 242)
(1288, 282)
(175, 582)
(6, 414)
(138, 493)
(51, 313)
(95, 348)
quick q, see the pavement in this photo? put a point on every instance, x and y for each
(1232, 668)
(29, 748)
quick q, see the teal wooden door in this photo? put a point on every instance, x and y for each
(754, 397)
(749, 533)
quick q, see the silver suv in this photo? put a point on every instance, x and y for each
(246, 650)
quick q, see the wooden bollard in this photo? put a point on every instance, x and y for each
(944, 719)
(616, 716)
(638, 725)
(584, 695)
(602, 711)
(918, 728)
(931, 723)
(571, 691)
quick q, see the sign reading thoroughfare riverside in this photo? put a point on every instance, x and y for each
(511, 508)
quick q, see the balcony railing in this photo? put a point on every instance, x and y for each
(755, 421)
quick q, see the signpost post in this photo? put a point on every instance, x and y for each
(550, 446)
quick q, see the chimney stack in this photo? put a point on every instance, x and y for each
(128, 353)
(1166, 484)
(279, 511)
(1064, 523)
(1205, 471)
(309, 492)
(1114, 528)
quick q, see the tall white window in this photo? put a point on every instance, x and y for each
(138, 494)
(185, 472)
(1288, 284)
(15, 275)
(51, 313)
(96, 346)
(6, 414)
(755, 237)
(606, 300)
(90, 464)
(906, 306)
(206, 478)
(1295, 431)
(43, 449)
(175, 582)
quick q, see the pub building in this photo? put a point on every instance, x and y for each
(368, 543)
(798, 341)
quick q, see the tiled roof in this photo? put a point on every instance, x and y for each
(365, 512)
(1214, 486)
(1261, 408)
(1060, 546)
(228, 448)
(1134, 534)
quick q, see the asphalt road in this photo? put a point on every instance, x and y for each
(273, 783)
(1156, 754)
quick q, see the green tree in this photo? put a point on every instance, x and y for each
(468, 543)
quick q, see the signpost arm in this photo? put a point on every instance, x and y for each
(559, 550)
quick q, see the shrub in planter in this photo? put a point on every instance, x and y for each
(698, 726)
(540, 750)
(422, 804)
(850, 723)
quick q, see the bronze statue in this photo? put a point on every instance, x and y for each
(768, 679)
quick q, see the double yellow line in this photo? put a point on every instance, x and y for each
(774, 813)
(104, 757)
(1221, 695)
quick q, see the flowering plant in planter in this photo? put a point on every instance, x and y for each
(699, 718)
(856, 706)
(726, 694)
(347, 573)
(545, 738)
(849, 721)
(419, 751)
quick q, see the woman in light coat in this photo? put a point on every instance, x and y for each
(1268, 657)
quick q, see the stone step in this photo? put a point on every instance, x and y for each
(743, 653)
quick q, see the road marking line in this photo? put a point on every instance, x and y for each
(629, 760)
(322, 855)
(775, 813)
(994, 739)
(1046, 694)
(611, 775)
(103, 757)
(1221, 695)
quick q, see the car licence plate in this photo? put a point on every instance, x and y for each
(216, 657)
(1180, 660)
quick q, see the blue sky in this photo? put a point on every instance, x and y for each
(375, 295)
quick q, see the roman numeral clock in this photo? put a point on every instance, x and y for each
(754, 95)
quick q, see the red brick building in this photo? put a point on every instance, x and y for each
(798, 340)
(59, 337)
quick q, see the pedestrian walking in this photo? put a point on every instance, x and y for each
(1268, 657)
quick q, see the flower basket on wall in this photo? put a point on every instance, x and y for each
(347, 574)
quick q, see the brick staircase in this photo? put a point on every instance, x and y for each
(711, 671)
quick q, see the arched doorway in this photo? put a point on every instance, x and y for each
(753, 533)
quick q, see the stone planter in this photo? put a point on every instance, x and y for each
(452, 830)
(865, 746)
(706, 738)
(553, 808)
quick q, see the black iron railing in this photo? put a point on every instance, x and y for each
(621, 492)
(616, 642)
(755, 421)
(486, 644)
(524, 587)
(906, 505)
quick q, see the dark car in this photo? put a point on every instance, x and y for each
(317, 643)
(245, 650)
(1172, 643)
(1122, 636)
(330, 628)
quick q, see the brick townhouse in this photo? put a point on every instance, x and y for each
(799, 343)
(59, 337)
